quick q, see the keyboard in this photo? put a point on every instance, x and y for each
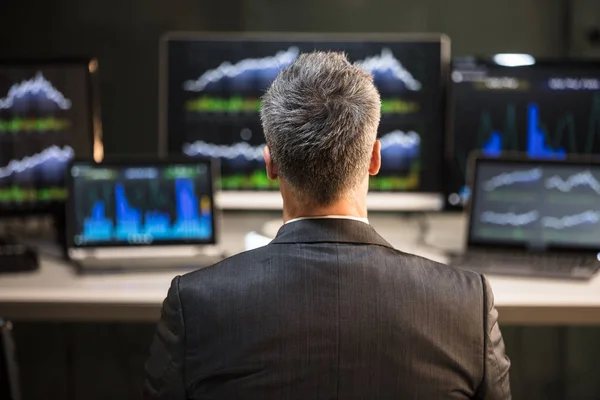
(147, 264)
(16, 256)
(565, 266)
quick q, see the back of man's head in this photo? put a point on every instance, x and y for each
(320, 118)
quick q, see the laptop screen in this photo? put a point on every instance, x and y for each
(140, 203)
(542, 205)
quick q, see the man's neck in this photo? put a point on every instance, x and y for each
(346, 208)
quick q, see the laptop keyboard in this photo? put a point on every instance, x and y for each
(148, 264)
(528, 264)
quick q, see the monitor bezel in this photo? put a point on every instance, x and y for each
(488, 62)
(271, 199)
(476, 159)
(132, 162)
(54, 208)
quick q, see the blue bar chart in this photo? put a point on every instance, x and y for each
(188, 218)
(537, 139)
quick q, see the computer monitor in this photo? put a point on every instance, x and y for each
(139, 203)
(210, 89)
(48, 114)
(548, 110)
(539, 204)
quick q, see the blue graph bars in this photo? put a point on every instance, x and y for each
(536, 137)
(192, 219)
(189, 221)
(537, 146)
(98, 227)
(129, 219)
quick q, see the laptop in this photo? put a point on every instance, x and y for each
(141, 215)
(538, 218)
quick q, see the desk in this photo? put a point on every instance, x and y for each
(56, 292)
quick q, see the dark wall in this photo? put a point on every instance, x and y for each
(124, 36)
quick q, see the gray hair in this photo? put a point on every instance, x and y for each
(320, 118)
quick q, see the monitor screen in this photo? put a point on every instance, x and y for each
(212, 102)
(548, 110)
(46, 117)
(141, 203)
(538, 204)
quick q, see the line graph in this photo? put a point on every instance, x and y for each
(228, 152)
(397, 139)
(239, 104)
(510, 178)
(588, 217)
(37, 86)
(585, 178)
(229, 70)
(509, 218)
(53, 153)
(48, 124)
(384, 64)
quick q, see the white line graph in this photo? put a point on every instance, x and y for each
(54, 152)
(510, 178)
(384, 62)
(229, 70)
(255, 153)
(35, 85)
(202, 148)
(584, 178)
(569, 221)
(387, 62)
(399, 138)
(491, 217)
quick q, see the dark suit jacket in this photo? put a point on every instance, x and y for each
(328, 310)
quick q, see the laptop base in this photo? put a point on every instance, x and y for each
(526, 264)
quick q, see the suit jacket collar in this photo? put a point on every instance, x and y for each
(329, 230)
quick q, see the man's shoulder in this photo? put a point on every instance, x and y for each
(274, 255)
(235, 264)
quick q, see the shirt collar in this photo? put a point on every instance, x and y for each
(365, 220)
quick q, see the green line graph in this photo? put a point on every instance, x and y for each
(239, 104)
(48, 124)
(16, 194)
(258, 180)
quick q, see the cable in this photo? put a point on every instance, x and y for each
(424, 227)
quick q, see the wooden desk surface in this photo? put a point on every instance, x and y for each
(57, 292)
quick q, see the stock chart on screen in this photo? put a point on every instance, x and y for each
(547, 203)
(213, 91)
(45, 119)
(547, 111)
(141, 204)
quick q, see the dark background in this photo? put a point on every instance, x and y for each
(124, 35)
(104, 361)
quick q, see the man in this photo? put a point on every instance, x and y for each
(327, 310)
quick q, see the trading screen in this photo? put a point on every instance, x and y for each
(142, 204)
(547, 111)
(213, 103)
(544, 204)
(45, 119)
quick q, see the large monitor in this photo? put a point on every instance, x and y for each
(48, 114)
(210, 100)
(548, 110)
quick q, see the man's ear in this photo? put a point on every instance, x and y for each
(272, 171)
(375, 158)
